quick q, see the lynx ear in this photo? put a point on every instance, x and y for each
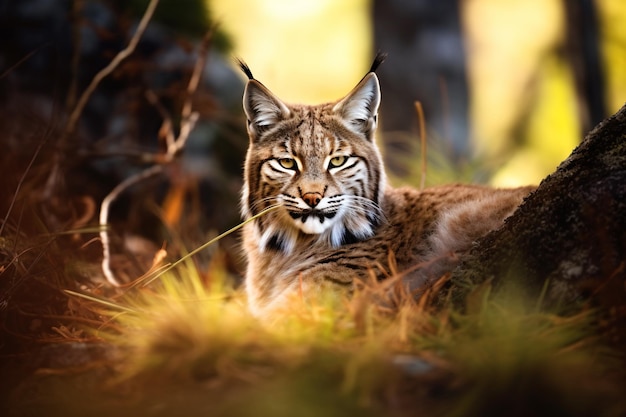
(359, 109)
(262, 108)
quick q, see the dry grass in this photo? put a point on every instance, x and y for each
(187, 345)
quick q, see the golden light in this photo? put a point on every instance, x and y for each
(304, 51)
(523, 107)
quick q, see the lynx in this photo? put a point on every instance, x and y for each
(335, 218)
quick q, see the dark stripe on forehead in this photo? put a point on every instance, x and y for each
(342, 132)
(298, 134)
(284, 147)
(307, 127)
(282, 131)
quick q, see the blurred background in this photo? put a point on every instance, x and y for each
(508, 89)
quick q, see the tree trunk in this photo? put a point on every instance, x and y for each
(569, 235)
(426, 63)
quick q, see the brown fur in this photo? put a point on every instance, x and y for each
(293, 162)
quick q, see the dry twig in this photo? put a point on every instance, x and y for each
(72, 121)
(106, 71)
(422, 126)
(104, 217)
(175, 143)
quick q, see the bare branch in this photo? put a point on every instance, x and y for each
(196, 75)
(189, 117)
(72, 121)
(174, 145)
(167, 125)
(104, 217)
(115, 62)
(422, 125)
(25, 58)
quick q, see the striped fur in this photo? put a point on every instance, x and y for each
(337, 219)
(321, 199)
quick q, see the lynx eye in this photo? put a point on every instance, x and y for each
(287, 163)
(337, 161)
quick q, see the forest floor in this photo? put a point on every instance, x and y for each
(181, 342)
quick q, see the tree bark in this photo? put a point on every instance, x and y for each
(569, 235)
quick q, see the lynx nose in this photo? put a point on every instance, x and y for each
(312, 199)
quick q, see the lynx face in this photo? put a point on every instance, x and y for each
(336, 221)
(319, 164)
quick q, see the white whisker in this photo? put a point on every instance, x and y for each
(259, 204)
(359, 205)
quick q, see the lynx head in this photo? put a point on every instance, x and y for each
(319, 164)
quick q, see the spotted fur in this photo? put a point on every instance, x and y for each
(337, 219)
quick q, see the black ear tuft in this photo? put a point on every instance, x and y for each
(245, 68)
(378, 59)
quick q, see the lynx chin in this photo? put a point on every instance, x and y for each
(336, 218)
